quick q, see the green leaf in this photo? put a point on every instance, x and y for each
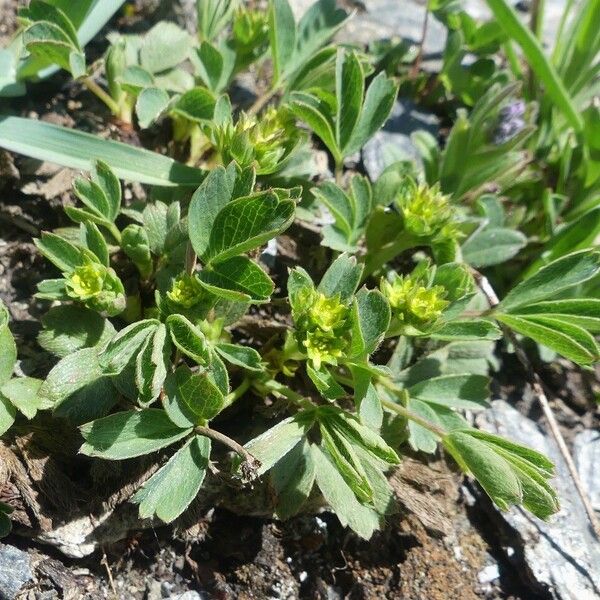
(569, 340)
(129, 434)
(150, 104)
(210, 67)
(152, 363)
(194, 396)
(282, 35)
(338, 203)
(344, 458)
(317, 25)
(492, 246)
(164, 47)
(360, 518)
(242, 356)
(584, 312)
(471, 330)
(470, 392)
(421, 438)
(173, 487)
(94, 241)
(247, 223)
(539, 64)
(508, 472)
(92, 195)
(376, 108)
(7, 414)
(60, 252)
(239, 279)
(22, 392)
(104, 177)
(342, 277)
(272, 445)
(349, 89)
(72, 373)
(188, 339)
(69, 328)
(45, 11)
(494, 474)
(78, 150)
(324, 382)
(196, 105)
(208, 200)
(50, 43)
(559, 275)
(125, 345)
(370, 320)
(316, 115)
(8, 352)
(350, 427)
(292, 479)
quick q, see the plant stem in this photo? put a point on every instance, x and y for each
(537, 385)
(339, 173)
(262, 100)
(252, 463)
(404, 412)
(93, 87)
(114, 231)
(283, 390)
(239, 391)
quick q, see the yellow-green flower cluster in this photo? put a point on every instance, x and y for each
(426, 211)
(322, 328)
(250, 27)
(97, 286)
(413, 302)
(263, 143)
(185, 291)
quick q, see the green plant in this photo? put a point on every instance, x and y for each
(382, 342)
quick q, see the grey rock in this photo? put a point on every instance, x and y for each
(393, 142)
(191, 595)
(15, 571)
(561, 553)
(586, 453)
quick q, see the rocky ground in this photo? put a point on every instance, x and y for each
(447, 542)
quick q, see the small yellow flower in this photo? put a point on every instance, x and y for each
(186, 291)
(323, 347)
(327, 313)
(86, 281)
(426, 211)
(412, 302)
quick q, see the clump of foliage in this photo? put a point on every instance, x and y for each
(381, 346)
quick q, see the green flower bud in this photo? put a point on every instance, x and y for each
(97, 286)
(134, 241)
(426, 211)
(250, 27)
(413, 302)
(322, 326)
(263, 143)
(186, 291)
(322, 347)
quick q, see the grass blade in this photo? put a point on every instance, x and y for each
(77, 150)
(538, 62)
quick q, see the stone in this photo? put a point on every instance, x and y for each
(562, 553)
(586, 454)
(393, 143)
(15, 571)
